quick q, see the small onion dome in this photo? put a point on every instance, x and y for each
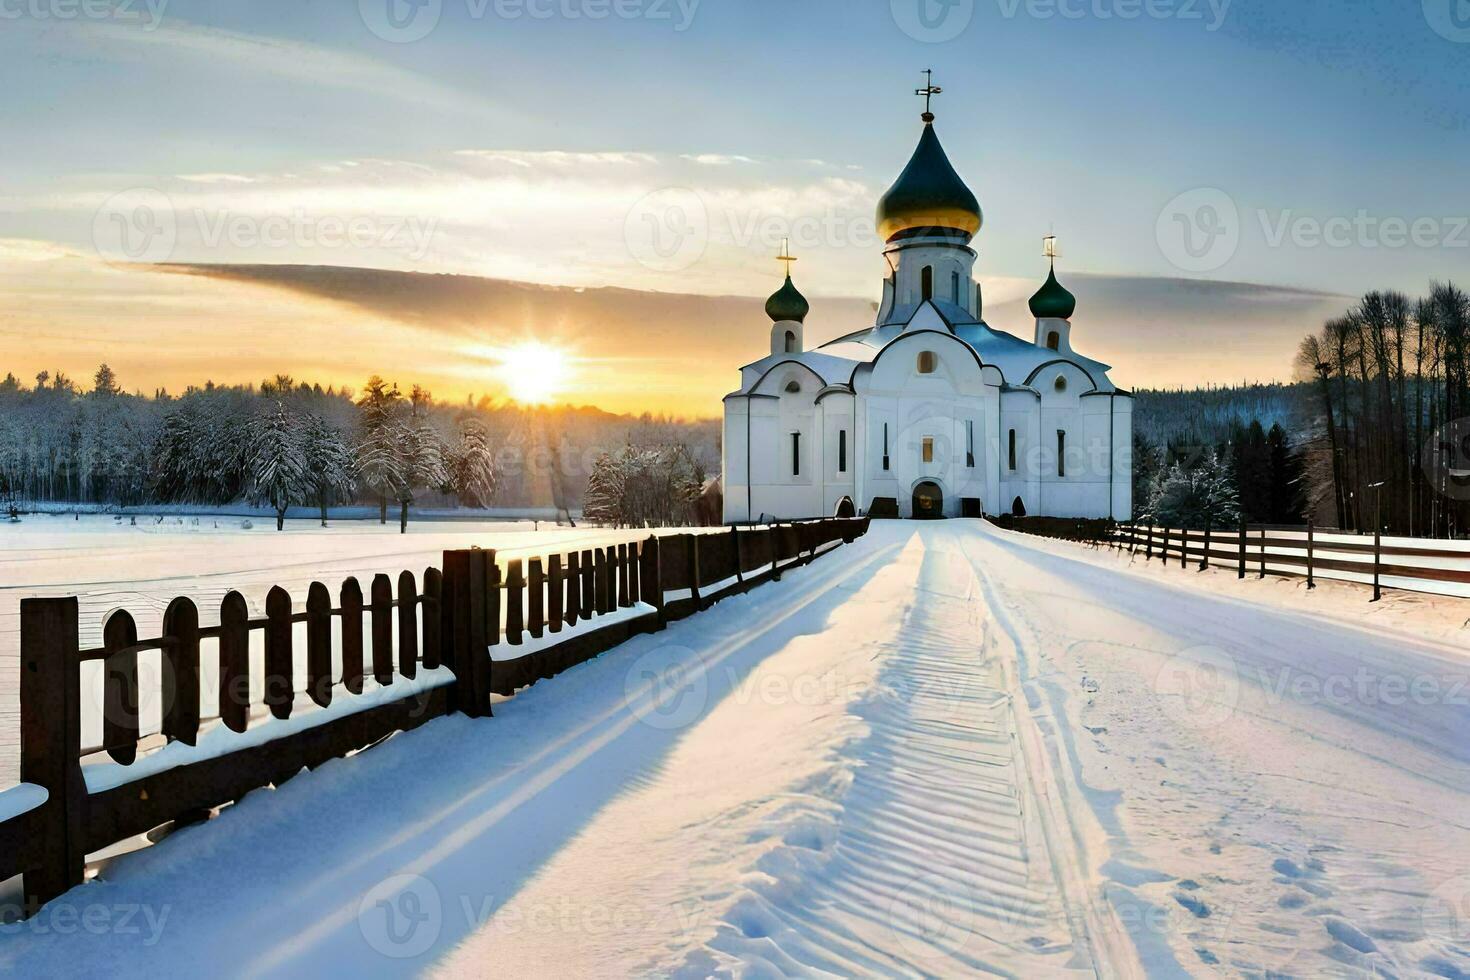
(1052, 301)
(787, 303)
(928, 195)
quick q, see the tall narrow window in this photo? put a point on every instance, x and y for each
(1061, 453)
(954, 288)
(791, 342)
(927, 281)
(796, 454)
(1013, 451)
(885, 446)
(842, 450)
(970, 443)
(928, 449)
(1053, 341)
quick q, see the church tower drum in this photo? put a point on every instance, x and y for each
(928, 219)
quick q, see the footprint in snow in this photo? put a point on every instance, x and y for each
(1349, 935)
(1197, 908)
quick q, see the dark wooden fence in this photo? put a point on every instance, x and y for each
(1433, 566)
(340, 674)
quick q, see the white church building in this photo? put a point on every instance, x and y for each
(931, 411)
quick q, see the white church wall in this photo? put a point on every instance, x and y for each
(837, 416)
(734, 458)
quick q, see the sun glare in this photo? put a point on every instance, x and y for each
(535, 373)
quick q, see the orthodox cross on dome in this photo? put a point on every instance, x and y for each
(1049, 248)
(928, 92)
(786, 255)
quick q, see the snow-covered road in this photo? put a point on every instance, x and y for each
(944, 750)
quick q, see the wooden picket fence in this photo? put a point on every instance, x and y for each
(440, 644)
(1433, 566)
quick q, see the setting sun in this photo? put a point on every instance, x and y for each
(534, 373)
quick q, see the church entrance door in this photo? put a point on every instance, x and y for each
(928, 501)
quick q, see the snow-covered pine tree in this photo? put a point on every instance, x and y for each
(421, 457)
(603, 502)
(1196, 497)
(330, 463)
(275, 467)
(380, 459)
(472, 464)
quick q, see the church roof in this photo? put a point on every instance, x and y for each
(1017, 360)
(928, 195)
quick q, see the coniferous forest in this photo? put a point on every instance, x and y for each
(287, 443)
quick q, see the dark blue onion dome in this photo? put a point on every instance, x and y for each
(787, 303)
(1052, 301)
(929, 195)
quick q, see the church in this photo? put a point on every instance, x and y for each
(931, 411)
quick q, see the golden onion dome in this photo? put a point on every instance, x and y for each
(929, 196)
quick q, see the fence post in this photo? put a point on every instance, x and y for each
(515, 620)
(51, 743)
(739, 562)
(466, 626)
(1164, 553)
(650, 579)
(1204, 561)
(556, 611)
(623, 602)
(1311, 542)
(692, 544)
(1148, 553)
(1263, 553)
(1377, 558)
(1243, 532)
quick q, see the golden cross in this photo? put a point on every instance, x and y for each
(786, 255)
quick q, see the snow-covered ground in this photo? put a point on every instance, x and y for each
(947, 750)
(141, 562)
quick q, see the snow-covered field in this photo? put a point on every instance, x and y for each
(141, 562)
(947, 750)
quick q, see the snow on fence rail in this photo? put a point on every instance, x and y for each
(1427, 565)
(442, 646)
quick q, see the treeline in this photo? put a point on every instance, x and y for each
(1211, 415)
(1389, 444)
(287, 443)
(1254, 473)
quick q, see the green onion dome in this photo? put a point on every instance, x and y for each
(787, 303)
(1052, 301)
(928, 195)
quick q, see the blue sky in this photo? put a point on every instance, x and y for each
(526, 141)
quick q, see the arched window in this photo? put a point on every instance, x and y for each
(1054, 341)
(1060, 385)
(791, 342)
(927, 362)
(954, 288)
(793, 387)
(927, 282)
